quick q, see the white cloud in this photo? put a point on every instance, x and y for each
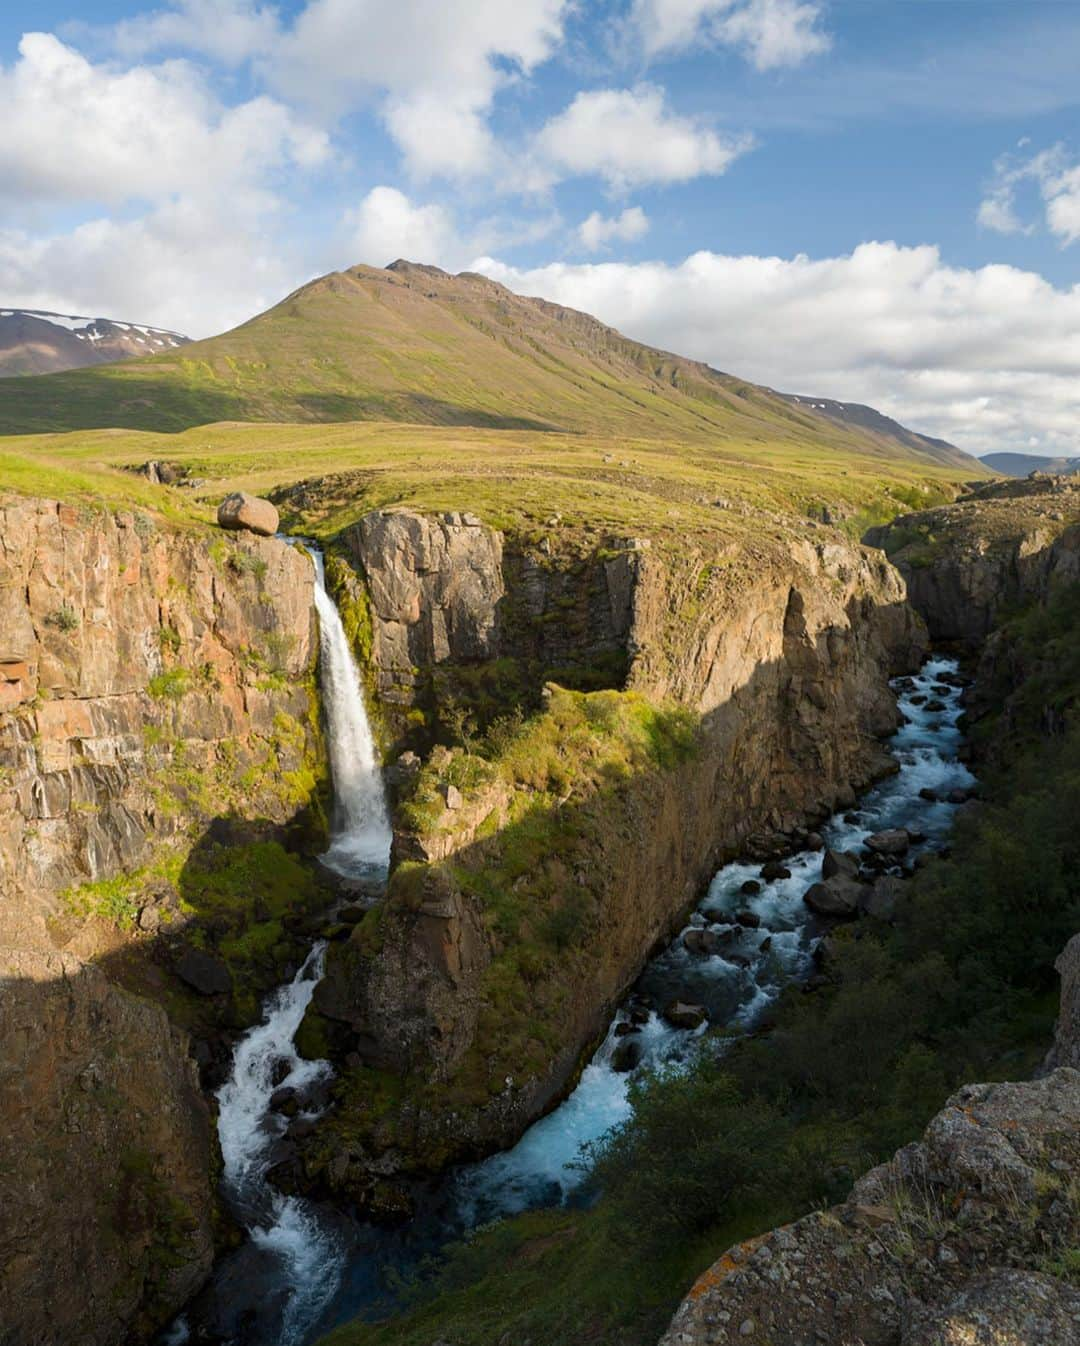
(231, 31)
(180, 197)
(1053, 177)
(983, 357)
(184, 266)
(598, 230)
(769, 33)
(630, 137)
(434, 65)
(74, 131)
(386, 225)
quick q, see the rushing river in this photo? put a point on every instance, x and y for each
(306, 1267)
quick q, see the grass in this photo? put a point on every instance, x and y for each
(514, 480)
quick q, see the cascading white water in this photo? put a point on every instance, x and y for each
(361, 834)
(290, 1234)
(265, 1059)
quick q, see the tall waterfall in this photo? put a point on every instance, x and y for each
(360, 829)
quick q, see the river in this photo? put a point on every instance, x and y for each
(304, 1266)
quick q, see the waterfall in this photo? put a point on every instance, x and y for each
(360, 830)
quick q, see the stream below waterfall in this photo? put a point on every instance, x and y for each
(307, 1266)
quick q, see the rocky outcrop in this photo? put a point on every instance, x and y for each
(782, 654)
(952, 1241)
(105, 1184)
(999, 546)
(449, 590)
(152, 681)
(240, 511)
(141, 668)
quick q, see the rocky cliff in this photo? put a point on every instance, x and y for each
(998, 546)
(965, 1236)
(154, 694)
(526, 903)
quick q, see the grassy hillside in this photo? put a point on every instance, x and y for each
(413, 344)
(516, 480)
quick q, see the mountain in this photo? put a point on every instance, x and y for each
(412, 343)
(1023, 464)
(866, 418)
(35, 342)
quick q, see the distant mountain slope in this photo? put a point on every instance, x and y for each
(33, 341)
(412, 343)
(1023, 464)
(866, 418)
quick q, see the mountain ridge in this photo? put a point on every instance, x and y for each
(413, 343)
(39, 341)
(1023, 464)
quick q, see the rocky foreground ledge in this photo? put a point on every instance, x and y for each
(962, 1239)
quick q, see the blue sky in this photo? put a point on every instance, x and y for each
(870, 199)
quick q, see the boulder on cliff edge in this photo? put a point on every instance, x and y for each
(241, 510)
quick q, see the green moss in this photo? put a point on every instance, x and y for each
(171, 685)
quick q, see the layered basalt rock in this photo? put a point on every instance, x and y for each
(782, 654)
(997, 547)
(152, 681)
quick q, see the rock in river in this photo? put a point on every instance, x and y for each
(681, 1015)
(838, 896)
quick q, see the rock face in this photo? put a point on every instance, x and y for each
(447, 588)
(105, 1188)
(1066, 1048)
(149, 681)
(785, 658)
(130, 658)
(997, 547)
(944, 1244)
(241, 510)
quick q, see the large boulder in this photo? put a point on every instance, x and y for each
(241, 510)
(203, 972)
(948, 1244)
(894, 841)
(838, 896)
(839, 862)
(681, 1015)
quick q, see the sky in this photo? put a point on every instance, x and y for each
(873, 200)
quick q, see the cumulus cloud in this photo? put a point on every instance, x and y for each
(435, 66)
(985, 357)
(598, 230)
(387, 225)
(74, 131)
(180, 196)
(769, 33)
(1055, 179)
(184, 266)
(231, 31)
(630, 137)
